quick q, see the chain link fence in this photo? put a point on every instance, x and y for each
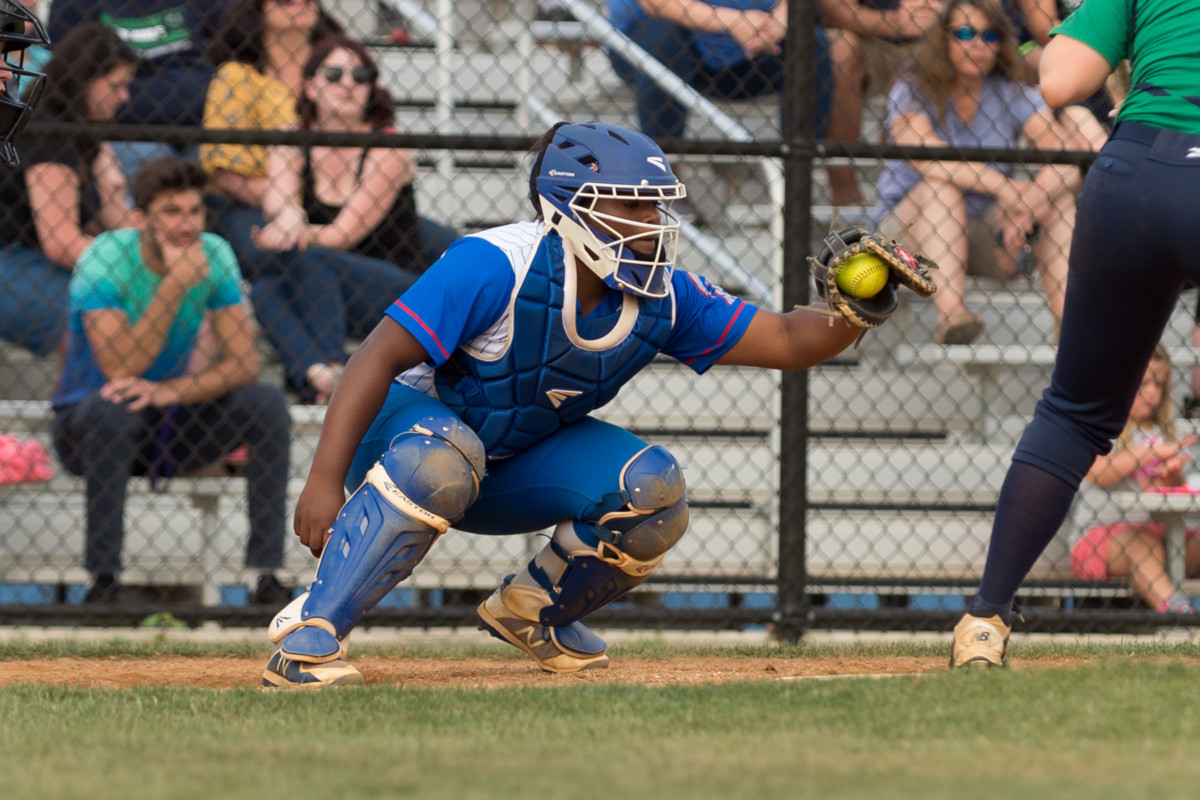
(858, 495)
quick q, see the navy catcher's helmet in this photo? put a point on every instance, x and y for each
(19, 28)
(590, 161)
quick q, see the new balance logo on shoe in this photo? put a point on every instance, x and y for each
(541, 642)
(980, 641)
(532, 635)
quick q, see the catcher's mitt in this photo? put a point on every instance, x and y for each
(909, 269)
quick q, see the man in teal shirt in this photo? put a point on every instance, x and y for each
(127, 402)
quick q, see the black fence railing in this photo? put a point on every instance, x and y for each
(856, 495)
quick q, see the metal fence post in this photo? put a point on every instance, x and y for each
(798, 151)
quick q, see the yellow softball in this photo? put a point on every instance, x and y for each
(862, 276)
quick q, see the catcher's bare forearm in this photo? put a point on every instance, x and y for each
(799, 339)
(815, 339)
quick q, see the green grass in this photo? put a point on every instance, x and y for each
(1119, 727)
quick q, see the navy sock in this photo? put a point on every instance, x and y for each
(1033, 504)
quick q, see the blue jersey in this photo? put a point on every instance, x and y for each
(510, 353)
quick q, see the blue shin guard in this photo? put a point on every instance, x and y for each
(424, 483)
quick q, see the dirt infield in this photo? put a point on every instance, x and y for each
(483, 673)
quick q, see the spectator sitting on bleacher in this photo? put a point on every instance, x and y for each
(1086, 124)
(356, 202)
(863, 32)
(125, 404)
(64, 192)
(1148, 454)
(168, 37)
(728, 50)
(967, 88)
(261, 51)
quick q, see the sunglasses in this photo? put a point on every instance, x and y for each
(360, 75)
(965, 33)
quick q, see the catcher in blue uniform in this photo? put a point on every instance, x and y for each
(469, 406)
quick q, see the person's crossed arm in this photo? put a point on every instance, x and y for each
(756, 31)
(910, 19)
(125, 351)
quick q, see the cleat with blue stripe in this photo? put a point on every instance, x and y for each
(283, 672)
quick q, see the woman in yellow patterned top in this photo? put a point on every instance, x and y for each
(260, 52)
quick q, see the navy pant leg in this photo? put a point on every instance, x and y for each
(1128, 260)
(104, 443)
(1122, 286)
(255, 415)
(295, 294)
(659, 114)
(368, 286)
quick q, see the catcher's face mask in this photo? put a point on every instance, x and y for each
(19, 28)
(589, 162)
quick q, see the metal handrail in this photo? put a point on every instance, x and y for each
(599, 28)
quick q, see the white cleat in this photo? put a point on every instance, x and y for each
(309, 656)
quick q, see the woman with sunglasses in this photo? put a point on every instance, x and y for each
(260, 51)
(1130, 255)
(967, 88)
(356, 201)
(350, 210)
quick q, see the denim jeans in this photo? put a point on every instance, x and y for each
(661, 116)
(310, 302)
(34, 304)
(105, 443)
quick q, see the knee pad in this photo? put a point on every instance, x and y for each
(436, 465)
(588, 565)
(424, 483)
(655, 514)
